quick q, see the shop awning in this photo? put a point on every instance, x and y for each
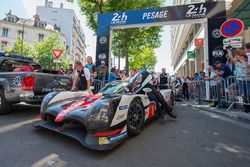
(241, 10)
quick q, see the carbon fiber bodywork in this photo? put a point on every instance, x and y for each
(98, 121)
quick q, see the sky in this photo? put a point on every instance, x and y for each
(27, 8)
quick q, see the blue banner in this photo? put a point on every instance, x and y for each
(151, 16)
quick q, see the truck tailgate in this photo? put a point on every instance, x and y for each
(45, 83)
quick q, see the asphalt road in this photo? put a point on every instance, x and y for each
(195, 139)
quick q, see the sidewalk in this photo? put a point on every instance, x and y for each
(233, 114)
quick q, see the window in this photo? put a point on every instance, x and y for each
(40, 37)
(4, 44)
(41, 24)
(5, 32)
(20, 33)
(11, 19)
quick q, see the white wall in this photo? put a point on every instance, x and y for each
(61, 17)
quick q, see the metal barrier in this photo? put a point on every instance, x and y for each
(226, 93)
(238, 90)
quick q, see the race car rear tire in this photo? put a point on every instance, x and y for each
(4, 105)
(171, 107)
(172, 102)
(135, 117)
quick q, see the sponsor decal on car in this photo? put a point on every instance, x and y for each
(120, 117)
(103, 140)
(17, 81)
(117, 137)
(123, 107)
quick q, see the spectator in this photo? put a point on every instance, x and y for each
(240, 61)
(212, 76)
(155, 78)
(223, 70)
(82, 78)
(133, 72)
(102, 71)
(61, 71)
(230, 63)
(197, 77)
(185, 89)
(70, 71)
(203, 75)
(112, 75)
(163, 77)
(247, 49)
(91, 67)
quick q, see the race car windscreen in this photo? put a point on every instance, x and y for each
(114, 88)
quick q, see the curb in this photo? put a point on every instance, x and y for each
(228, 115)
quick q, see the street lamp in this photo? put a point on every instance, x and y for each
(23, 33)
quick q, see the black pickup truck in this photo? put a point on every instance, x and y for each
(28, 87)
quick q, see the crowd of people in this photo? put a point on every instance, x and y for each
(235, 71)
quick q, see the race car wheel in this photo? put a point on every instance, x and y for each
(172, 101)
(171, 107)
(135, 118)
(4, 105)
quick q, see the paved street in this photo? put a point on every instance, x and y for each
(194, 139)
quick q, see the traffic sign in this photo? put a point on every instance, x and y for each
(234, 45)
(57, 52)
(234, 40)
(232, 28)
(199, 42)
(191, 54)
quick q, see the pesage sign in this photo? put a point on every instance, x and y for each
(191, 13)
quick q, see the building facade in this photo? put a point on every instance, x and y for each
(183, 40)
(32, 30)
(65, 21)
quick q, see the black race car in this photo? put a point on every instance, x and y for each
(103, 120)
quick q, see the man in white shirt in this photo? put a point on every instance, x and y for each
(82, 78)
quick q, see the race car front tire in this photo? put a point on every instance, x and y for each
(135, 117)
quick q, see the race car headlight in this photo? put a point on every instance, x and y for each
(99, 115)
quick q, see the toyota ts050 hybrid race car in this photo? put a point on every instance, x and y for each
(104, 120)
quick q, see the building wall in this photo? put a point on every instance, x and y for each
(70, 26)
(62, 18)
(30, 33)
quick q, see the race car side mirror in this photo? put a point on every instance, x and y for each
(147, 90)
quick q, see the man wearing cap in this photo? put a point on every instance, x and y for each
(223, 70)
(102, 71)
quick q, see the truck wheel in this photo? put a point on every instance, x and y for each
(4, 105)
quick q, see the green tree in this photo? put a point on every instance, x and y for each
(43, 55)
(146, 57)
(18, 46)
(126, 40)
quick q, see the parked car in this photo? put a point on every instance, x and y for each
(17, 84)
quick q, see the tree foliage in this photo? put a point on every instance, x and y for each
(144, 58)
(17, 48)
(43, 55)
(129, 39)
(41, 51)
